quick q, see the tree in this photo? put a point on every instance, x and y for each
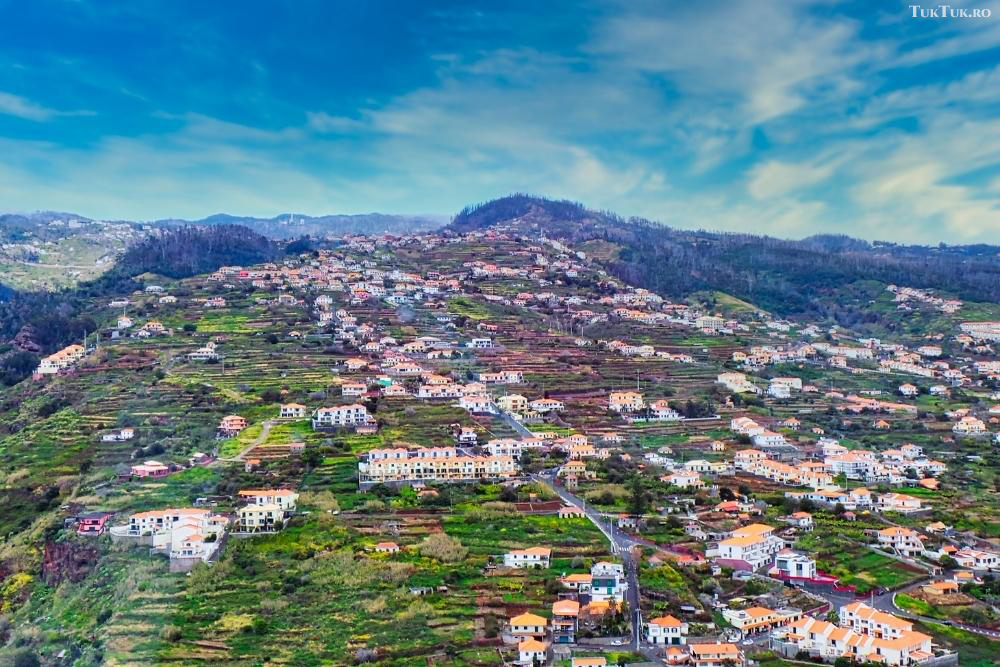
(638, 499)
(16, 367)
(948, 563)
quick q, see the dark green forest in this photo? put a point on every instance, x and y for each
(786, 277)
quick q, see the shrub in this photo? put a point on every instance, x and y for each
(440, 546)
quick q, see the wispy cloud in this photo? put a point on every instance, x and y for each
(769, 116)
(22, 107)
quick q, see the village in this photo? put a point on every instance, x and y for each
(542, 465)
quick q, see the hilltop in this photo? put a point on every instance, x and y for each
(787, 277)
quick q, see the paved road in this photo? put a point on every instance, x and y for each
(621, 544)
(518, 427)
(887, 602)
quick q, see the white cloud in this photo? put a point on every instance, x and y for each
(15, 105)
(774, 179)
(320, 121)
(760, 116)
(767, 58)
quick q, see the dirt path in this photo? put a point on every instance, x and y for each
(259, 440)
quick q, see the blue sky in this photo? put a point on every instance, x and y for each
(783, 117)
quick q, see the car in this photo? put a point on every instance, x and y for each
(747, 642)
(617, 642)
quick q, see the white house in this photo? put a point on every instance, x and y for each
(532, 652)
(666, 630)
(531, 557)
(793, 564)
(292, 411)
(528, 625)
(752, 546)
(607, 582)
(903, 541)
(344, 415)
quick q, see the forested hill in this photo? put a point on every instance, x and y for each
(188, 251)
(784, 276)
(54, 319)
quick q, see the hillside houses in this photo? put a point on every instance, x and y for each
(292, 411)
(185, 536)
(749, 548)
(536, 557)
(625, 401)
(231, 426)
(61, 361)
(407, 467)
(471, 381)
(331, 418)
(737, 383)
(862, 633)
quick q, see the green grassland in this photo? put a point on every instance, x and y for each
(838, 548)
(973, 650)
(336, 599)
(721, 302)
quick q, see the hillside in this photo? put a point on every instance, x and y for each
(374, 565)
(786, 277)
(53, 250)
(50, 320)
(188, 251)
(56, 250)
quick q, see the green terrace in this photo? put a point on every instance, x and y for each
(232, 606)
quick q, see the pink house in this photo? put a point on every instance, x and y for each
(92, 523)
(150, 469)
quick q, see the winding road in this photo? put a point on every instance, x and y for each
(621, 544)
(887, 602)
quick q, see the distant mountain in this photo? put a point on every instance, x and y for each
(50, 250)
(783, 276)
(293, 225)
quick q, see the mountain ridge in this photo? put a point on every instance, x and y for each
(283, 225)
(788, 277)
